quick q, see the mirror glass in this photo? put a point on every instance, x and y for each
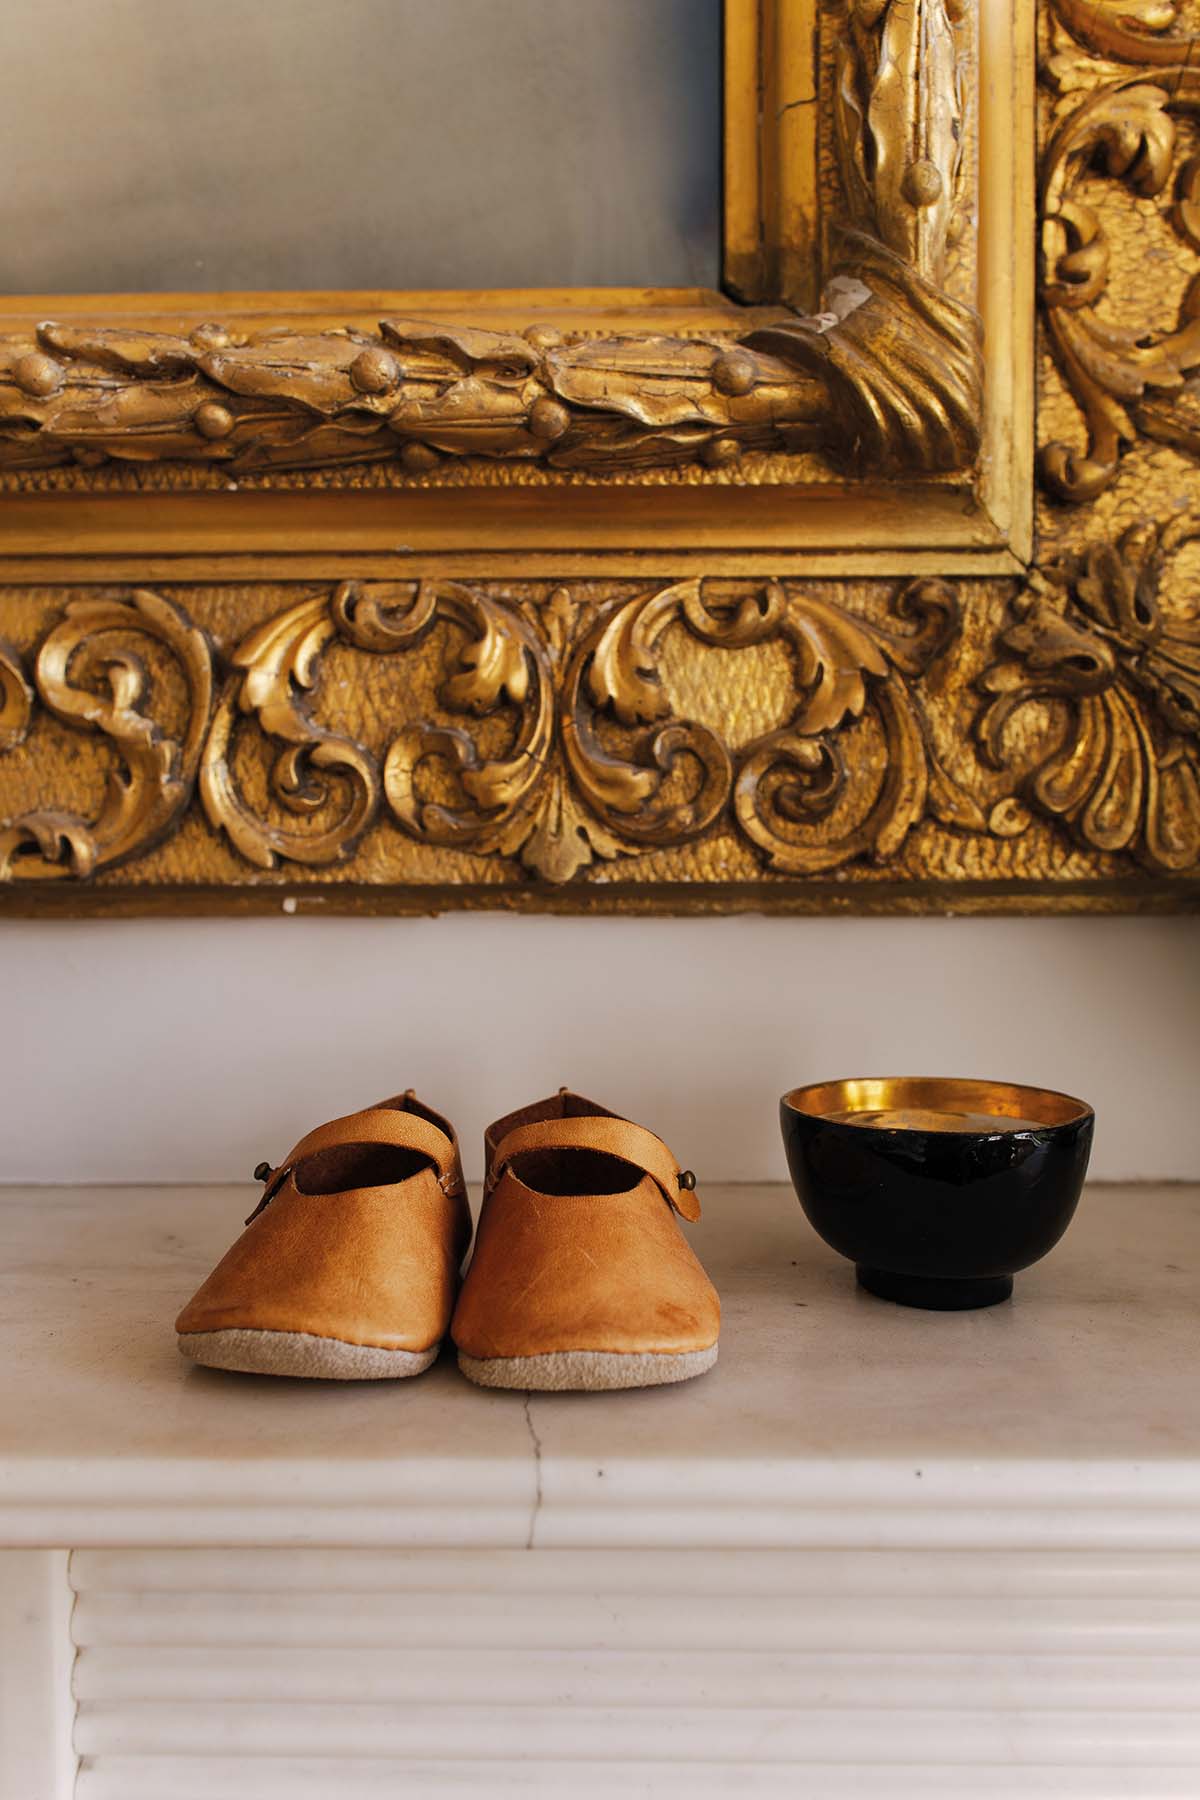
(171, 145)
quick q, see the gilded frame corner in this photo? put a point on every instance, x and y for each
(662, 601)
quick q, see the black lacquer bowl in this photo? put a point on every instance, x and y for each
(938, 1190)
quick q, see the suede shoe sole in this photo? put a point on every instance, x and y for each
(586, 1371)
(301, 1353)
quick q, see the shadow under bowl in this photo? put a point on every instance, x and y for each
(938, 1190)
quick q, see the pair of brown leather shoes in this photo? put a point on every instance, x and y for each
(581, 1277)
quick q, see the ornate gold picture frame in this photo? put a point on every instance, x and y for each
(655, 600)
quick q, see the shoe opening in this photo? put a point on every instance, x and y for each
(572, 1171)
(357, 1166)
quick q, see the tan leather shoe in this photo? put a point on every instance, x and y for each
(349, 1267)
(581, 1277)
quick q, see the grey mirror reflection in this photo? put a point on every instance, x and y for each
(175, 145)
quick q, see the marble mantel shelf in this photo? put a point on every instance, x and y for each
(1068, 1420)
(875, 1553)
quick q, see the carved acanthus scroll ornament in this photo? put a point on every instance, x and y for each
(887, 376)
(586, 756)
(576, 799)
(87, 675)
(1122, 121)
(551, 735)
(1119, 765)
(16, 698)
(275, 667)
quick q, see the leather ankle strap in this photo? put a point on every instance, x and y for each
(383, 1125)
(399, 1129)
(610, 1137)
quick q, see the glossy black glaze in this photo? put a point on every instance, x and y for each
(919, 1209)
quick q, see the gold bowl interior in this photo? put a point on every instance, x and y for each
(936, 1103)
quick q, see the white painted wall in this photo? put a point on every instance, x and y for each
(187, 1050)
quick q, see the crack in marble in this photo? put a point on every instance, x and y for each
(536, 1442)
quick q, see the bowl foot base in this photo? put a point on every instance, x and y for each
(933, 1293)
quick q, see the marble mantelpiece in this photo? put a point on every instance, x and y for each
(903, 1550)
